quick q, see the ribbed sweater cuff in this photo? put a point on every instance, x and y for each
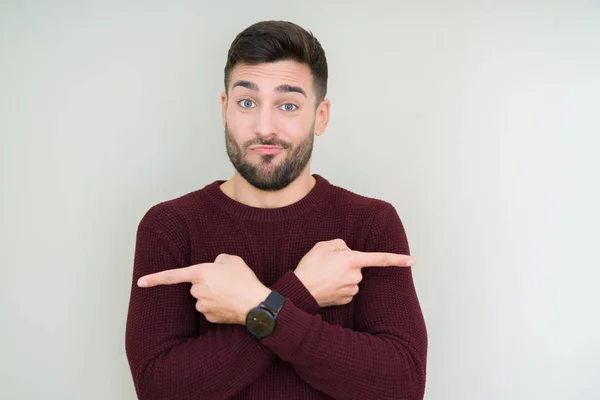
(292, 324)
(290, 287)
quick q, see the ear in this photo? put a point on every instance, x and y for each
(322, 118)
(224, 107)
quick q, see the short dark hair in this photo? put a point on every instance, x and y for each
(271, 41)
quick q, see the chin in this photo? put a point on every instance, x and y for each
(266, 162)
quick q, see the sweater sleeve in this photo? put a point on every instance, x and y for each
(168, 357)
(384, 356)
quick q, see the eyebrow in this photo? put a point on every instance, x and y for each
(279, 89)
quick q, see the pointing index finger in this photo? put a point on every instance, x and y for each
(377, 259)
(170, 277)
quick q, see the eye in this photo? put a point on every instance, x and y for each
(289, 107)
(246, 103)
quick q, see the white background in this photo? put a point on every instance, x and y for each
(478, 120)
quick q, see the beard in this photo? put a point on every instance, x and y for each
(266, 175)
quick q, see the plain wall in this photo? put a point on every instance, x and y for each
(479, 121)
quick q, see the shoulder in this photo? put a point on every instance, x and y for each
(360, 204)
(174, 214)
(376, 218)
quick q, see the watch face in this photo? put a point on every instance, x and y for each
(260, 322)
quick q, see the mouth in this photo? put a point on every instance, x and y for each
(264, 150)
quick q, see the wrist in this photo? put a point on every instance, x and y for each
(261, 321)
(291, 287)
(253, 299)
(303, 281)
(299, 276)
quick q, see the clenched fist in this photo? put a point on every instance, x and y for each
(331, 271)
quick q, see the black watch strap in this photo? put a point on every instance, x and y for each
(273, 303)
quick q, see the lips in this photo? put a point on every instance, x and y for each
(266, 149)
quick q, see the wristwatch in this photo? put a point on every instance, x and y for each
(261, 320)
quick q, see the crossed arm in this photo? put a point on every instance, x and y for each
(383, 358)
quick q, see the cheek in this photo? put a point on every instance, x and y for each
(292, 127)
(234, 123)
(229, 117)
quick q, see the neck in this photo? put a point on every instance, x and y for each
(241, 191)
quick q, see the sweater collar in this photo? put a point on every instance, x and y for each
(317, 194)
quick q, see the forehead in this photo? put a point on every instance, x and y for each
(268, 76)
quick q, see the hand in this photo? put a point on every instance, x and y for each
(225, 290)
(331, 271)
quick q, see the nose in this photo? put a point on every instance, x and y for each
(264, 126)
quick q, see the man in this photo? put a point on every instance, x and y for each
(274, 284)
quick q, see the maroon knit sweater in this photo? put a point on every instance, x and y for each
(373, 348)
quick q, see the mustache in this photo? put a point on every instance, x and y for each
(267, 142)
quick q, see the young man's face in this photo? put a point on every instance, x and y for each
(271, 116)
